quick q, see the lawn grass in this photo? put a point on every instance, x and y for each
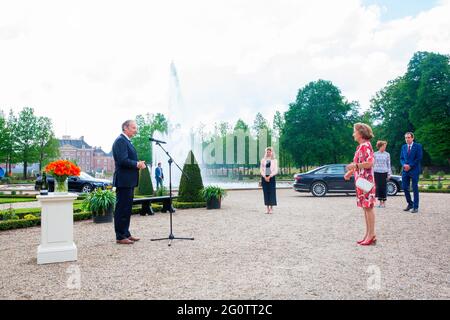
(15, 200)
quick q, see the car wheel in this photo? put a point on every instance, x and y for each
(87, 188)
(319, 189)
(392, 188)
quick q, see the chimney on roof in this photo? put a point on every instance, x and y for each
(82, 138)
(66, 137)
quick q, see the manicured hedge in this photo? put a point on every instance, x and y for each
(435, 190)
(78, 214)
(16, 200)
(25, 223)
(188, 205)
(29, 196)
(16, 224)
(137, 208)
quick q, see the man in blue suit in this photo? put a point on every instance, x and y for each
(126, 178)
(410, 158)
(159, 176)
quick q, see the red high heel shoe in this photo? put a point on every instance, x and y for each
(361, 241)
(369, 242)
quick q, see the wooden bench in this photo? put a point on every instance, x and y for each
(147, 204)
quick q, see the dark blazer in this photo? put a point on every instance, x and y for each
(126, 174)
(413, 159)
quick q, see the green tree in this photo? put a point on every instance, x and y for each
(418, 101)
(147, 125)
(8, 146)
(391, 106)
(318, 128)
(3, 137)
(191, 181)
(46, 143)
(284, 157)
(428, 77)
(25, 136)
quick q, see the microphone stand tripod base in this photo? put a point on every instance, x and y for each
(171, 237)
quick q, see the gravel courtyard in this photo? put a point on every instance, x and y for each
(305, 250)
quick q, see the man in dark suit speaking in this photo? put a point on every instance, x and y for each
(126, 178)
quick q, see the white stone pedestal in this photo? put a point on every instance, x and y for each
(56, 228)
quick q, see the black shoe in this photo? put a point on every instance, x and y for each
(415, 210)
(409, 207)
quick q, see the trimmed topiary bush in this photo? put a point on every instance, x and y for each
(145, 187)
(426, 173)
(189, 190)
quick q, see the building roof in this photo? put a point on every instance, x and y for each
(99, 151)
(77, 143)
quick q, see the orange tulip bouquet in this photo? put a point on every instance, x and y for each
(61, 170)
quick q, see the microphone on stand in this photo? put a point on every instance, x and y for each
(158, 141)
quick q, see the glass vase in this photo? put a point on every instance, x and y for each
(61, 185)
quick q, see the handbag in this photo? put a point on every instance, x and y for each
(364, 185)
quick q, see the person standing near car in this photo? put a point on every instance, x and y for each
(126, 178)
(362, 167)
(382, 171)
(410, 158)
(269, 169)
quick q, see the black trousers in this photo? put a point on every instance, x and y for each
(122, 214)
(381, 185)
(269, 190)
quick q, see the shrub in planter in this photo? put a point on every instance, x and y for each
(213, 196)
(432, 187)
(101, 204)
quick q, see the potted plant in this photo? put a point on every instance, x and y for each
(213, 196)
(101, 204)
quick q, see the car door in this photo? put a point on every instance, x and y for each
(335, 177)
(74, 183)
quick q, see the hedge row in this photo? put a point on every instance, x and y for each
(34, 211)
(434, 190)
(78, 214)
(31, 196)
(23, 223)
(188, 205)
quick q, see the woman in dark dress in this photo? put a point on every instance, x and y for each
(269, 169)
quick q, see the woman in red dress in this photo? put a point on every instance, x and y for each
(362, 167)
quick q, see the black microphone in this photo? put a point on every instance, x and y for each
(158, 141)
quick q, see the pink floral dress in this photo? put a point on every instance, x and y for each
(364, 153)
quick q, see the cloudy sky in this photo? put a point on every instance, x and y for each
(89, 65)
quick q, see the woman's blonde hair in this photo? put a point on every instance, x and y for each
(364, 130)
(265, 152)
(381, 143)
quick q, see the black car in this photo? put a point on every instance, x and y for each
(84, 183)
(330, 178)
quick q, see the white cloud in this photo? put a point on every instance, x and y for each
(89, 65)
